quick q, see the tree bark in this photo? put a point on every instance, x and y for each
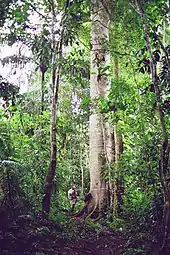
(42, 92)
(43, 70)
(100, 143)
(57, 54)
(52, 168)
(82, 172)
(164, 153)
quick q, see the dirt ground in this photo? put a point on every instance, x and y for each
(34, 236)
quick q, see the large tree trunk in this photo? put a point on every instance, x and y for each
(100, 135)
(164, 153)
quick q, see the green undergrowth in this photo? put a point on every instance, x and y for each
(140, 229)
(78, 229)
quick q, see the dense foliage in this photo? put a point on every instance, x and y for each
(130, 105)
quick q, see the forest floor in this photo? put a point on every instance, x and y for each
(28, 235)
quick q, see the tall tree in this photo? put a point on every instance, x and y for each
(100, 134)
(55, 75)
(165, 149)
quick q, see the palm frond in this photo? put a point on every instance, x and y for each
(10, 163)
(14, 168)
(15, 59)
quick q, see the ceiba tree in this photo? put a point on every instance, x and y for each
(101, 137)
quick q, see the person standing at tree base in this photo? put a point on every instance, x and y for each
(72, 196)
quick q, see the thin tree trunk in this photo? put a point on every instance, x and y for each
(118, 186)
(166, 37)
(52, 168)
(43, 70)
(118, 144)
(164, 154)
(64, 146)
(42, 91)
(116, 67)
(82, 173)
(57, 53)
